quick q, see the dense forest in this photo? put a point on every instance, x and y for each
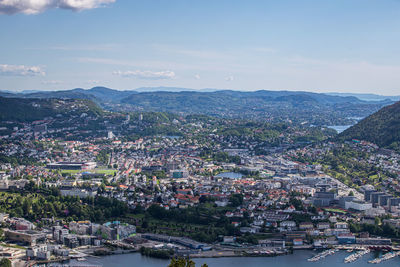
(39, 202)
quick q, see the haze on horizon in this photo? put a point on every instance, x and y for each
(347, 46)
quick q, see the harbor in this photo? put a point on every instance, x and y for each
(322, 255)
(385, 257)
(356, 254)
(298, 259)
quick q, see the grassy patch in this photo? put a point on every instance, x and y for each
(106, 171)
(336, 210)
(70, 171)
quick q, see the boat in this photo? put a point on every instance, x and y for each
(385, 257)
(322, 255)
(355, 256)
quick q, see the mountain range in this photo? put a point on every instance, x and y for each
(368, 97)
(295, 106)
(105, 94)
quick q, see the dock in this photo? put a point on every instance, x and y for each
(323, 255)
(385, 257)
(355, 256)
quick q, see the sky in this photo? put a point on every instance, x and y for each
(348, 46)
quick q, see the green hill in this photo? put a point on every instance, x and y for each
(26, 109)
(300, 107)
(381, 128)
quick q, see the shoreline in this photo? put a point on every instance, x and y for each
(213, 254)
(300, 257)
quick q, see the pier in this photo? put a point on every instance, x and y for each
(355, 256)
(385, 257)
(323, 254)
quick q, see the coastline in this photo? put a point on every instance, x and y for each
(300, 258)
(102, 252)
(202, 255)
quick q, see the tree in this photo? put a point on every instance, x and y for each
(181, 262)
(236, 200)
(4, 262)
(297, 203)
(145, 224)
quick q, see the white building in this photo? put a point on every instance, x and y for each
(357, 205)
(110, 135)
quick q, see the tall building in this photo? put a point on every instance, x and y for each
(110, 135)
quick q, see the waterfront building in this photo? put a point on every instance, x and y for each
(30, 237)
(346, 238)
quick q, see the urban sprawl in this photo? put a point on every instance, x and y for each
(68, 191)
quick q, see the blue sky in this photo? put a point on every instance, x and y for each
(322, 46)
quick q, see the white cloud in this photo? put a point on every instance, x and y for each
(82, 4)
(148, 75)
(229, 78)
(21, 70)
(37, 6)
(197, 76)
(52, 82)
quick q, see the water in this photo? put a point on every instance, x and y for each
(232, 175)
(298, 259)
(356, 118)
(340, 128)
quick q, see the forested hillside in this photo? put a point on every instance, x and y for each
(381, 128)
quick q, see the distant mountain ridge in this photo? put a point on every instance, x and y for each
(299, 106)
(368, 97)
(381, 128)
(106, 94)
(174, 89)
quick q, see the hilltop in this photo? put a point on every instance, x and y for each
(381, 128)
(29, 109)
